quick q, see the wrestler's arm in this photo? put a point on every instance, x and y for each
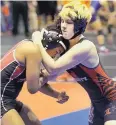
(33, 61)
(48, 90)
(77, 54)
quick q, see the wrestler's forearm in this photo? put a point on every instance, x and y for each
(47, 59)
(37, 37)
(48, 90)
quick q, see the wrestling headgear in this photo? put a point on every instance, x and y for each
(79, 13)
(52, 39)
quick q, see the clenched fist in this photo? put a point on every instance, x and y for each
(62, 97)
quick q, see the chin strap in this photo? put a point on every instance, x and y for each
(75, 35)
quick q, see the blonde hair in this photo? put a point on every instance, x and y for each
(75, 10)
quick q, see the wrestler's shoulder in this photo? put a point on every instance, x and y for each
(88, 43)
(28, 47)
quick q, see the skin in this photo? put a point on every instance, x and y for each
(64, 25)
(32, 56)
(68, 58)
(67, 28)
(53, 52)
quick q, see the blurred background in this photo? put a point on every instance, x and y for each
(19, 19)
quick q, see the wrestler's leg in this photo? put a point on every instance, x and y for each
(28, 116)
(12, 117)
(110, 113)
(111, 122)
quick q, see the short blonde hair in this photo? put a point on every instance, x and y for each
(75, 10)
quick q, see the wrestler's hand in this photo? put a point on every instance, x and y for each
(44, 73)
(43, 80)
(62, 97)
(37, 36)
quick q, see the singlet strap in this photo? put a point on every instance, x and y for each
(83, 38)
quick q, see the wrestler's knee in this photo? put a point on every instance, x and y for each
(28, 112)
(111, 122)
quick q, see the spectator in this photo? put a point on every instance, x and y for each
(33, 20)
(20, 8)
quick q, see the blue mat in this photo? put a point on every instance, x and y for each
(73, 118)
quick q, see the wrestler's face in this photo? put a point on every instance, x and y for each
(67, 28)
(55, 52)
